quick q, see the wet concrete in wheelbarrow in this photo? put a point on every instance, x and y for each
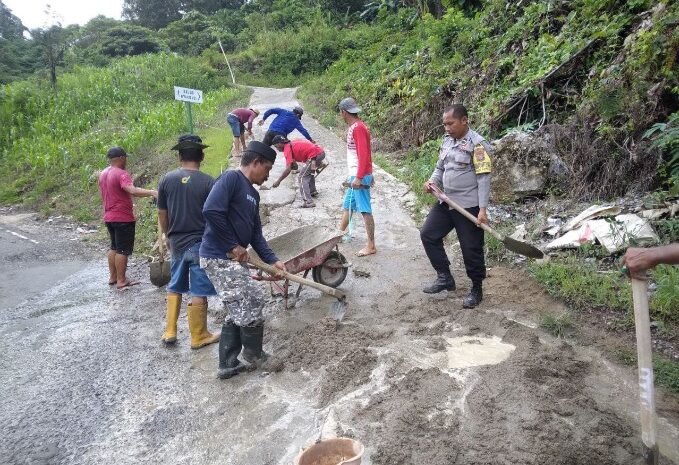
(86, 379)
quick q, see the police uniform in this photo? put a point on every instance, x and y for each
(463, 172)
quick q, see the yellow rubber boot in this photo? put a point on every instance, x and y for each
(174, 303)
(200, 336)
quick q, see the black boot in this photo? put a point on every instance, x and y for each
(229, 348)
(474, 297)
(252, 337)
(444, 282)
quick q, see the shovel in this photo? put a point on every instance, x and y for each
(642, 325)
(338, 308)
(160, 270)
(512, 244)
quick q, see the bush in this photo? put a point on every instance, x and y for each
(53, 141)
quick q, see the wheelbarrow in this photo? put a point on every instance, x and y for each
(311, 248)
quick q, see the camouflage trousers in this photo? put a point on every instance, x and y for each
(241, 296)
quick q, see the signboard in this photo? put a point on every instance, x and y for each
(188, 95)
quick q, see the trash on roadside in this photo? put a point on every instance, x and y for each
(592, 212)
(654, 214)
(553, 226)
(519, 233)
(614, 234)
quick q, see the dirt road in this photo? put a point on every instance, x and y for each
(416, 378)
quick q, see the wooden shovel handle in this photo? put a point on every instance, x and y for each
(256, 262)
(642, 325)
(161, 243)
(444, 198)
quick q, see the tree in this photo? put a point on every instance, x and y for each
(190, 35)
(11, 27)
(154, 14)
(128, 39)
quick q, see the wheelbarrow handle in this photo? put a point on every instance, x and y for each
(256, 262)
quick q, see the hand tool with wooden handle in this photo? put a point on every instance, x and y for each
(338, 308)
(642, 324)
(160, 271)
(512, 244)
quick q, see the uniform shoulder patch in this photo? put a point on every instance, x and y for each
(481, 159)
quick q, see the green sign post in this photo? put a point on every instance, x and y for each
(189, 117)
(188, 96)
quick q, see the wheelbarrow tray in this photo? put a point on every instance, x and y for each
(304, 248)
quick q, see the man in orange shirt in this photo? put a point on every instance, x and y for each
(302, 151)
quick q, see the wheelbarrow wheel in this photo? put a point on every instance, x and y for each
(332, 272)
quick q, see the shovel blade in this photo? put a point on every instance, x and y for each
(159, 273)
(338, 309)
(522, 248)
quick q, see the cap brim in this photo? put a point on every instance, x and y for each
(354, 109)
(187, 144)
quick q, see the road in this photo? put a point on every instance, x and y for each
(418, 380)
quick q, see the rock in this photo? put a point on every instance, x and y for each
(528, 162)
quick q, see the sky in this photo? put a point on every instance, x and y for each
(32, 12)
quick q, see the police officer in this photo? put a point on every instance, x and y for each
(231, 214)
(463, 172)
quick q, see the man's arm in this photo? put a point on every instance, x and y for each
(362, 141)
(638, 260)
(436, 177)
(217, 207)
(284, 174)
(164, 220)
(269, 112)
(139, 192)
(300, 127)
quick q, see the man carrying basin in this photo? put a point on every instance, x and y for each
(284, 123)
(231, 214)
(463, 172)
(181, 195)
(306, 152)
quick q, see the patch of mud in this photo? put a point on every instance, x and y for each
(412, 423)
(532, 409)
(347, 374)
(324, 343)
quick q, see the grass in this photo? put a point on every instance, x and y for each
(217, 156)
(584, 287)
(557, 325)
(665, 370)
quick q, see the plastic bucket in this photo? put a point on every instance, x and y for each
(335, 451)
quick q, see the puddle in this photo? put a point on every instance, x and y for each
(471, 351)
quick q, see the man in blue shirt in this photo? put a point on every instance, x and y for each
(232, 223)
(284, 123)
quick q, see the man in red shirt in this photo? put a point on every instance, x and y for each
(302, 151)
(116, 189)
(360, 166)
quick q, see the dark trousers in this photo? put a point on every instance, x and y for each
(269, 135)
(440, 221)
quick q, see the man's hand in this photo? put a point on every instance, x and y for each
(482, 217)
(281, 266)
(356, 183)
(639, 260)
(154, 194)
(429, 187)
(276, 184)
(250, 132)
(261, 122)
(239, 254)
